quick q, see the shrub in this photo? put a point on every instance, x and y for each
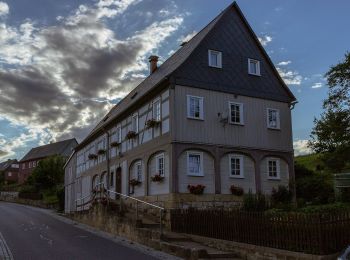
(344, 194)
(281, 196)
(196, 189)
(255, 202)
(60, 193)
(235, 190)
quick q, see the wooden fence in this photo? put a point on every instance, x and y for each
(319, 233)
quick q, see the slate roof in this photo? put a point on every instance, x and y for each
(5, 165)
(176, 67)
(59, 148)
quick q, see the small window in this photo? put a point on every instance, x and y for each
(195, 107)
(160, 165)
(273, 168)
(236, 166)
(156, 110)
(236, 113)
(119, 134)
(254, 67)
(135, 123)
(273, 118)
(215, 59)
(138, 171)
(195, 164)
(9, 174)
(34, 164)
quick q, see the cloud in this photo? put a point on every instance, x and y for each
(284, 63)
(67, 76)
(3, 154)
(301, 147)
(4, 9)
(317, 85)
(265, 40)
(290, 77)
(186, 38)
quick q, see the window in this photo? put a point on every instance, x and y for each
(215, 59)
(195, 107)
(34, 164)
(236, 166)
(138, 171)
(160, 164)
(156, 110)
(23, 166)
(236, 113)
(30, 164)
(273, 168)
(135, 123)
(195, 164)
(9, 174)
(273, 118)
(254, 67)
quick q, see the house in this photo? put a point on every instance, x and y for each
(216, 113)
(30, 161)
(10, 169)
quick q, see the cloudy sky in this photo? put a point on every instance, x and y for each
(63, 64)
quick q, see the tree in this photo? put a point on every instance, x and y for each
(331, 133)
(48, 174)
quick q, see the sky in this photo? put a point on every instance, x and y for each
(64, 64)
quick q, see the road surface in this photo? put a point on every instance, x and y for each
(29, 233)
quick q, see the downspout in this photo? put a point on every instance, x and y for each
(107, 158)
(291, 168)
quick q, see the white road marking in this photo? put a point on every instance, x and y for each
(5, 252)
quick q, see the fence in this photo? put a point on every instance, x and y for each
(319, 233)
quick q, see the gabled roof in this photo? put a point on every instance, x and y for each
(173, 65)
(5, 165)
(59, 148)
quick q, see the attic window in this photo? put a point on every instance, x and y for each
(254, 67)
(215, 58)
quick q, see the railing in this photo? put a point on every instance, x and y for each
(84, 203)
(161, 210)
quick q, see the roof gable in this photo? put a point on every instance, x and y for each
(233, 36)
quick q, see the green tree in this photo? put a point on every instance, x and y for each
(48, 174)
(331, 133)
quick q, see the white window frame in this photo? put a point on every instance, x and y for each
(137, 122)
(241, 166)
(278, 123)
(156, 109)
(201, 171)
(278, 168)
(257, 62)
(241, 113)
(138, 171)
(219, 59)
(158, 170)
(201, 107)
(119, 134)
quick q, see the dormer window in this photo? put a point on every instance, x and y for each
(254, 67)
(215, 59)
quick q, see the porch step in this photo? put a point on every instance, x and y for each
(176, 237)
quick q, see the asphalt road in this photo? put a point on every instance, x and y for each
(32, 233)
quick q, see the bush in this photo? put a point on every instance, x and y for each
(344, 194)
(61, 198)
(329, 208)
(235, 190)
(255, 202)
(281, 197)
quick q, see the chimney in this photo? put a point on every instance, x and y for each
(153, 63)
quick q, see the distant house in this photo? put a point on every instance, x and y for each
(28, 163)
(216, 114)
(10, 169)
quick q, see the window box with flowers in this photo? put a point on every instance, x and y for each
(196, 189)
(152, 123)
(131, 135)
(157, 178)
(101, 151)
(92, 156)
(236, 190)
(115, 144)
(134, 182)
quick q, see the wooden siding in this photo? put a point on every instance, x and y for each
(208, 170)
(248, 180)
(253, 134)
(266, 183)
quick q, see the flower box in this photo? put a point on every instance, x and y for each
(235, 190)
(115, 144)
(101, 151)
(131, 135)
(196, 189)
(134, 182)
(92, 156)
(157, 178)
(152, 123)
